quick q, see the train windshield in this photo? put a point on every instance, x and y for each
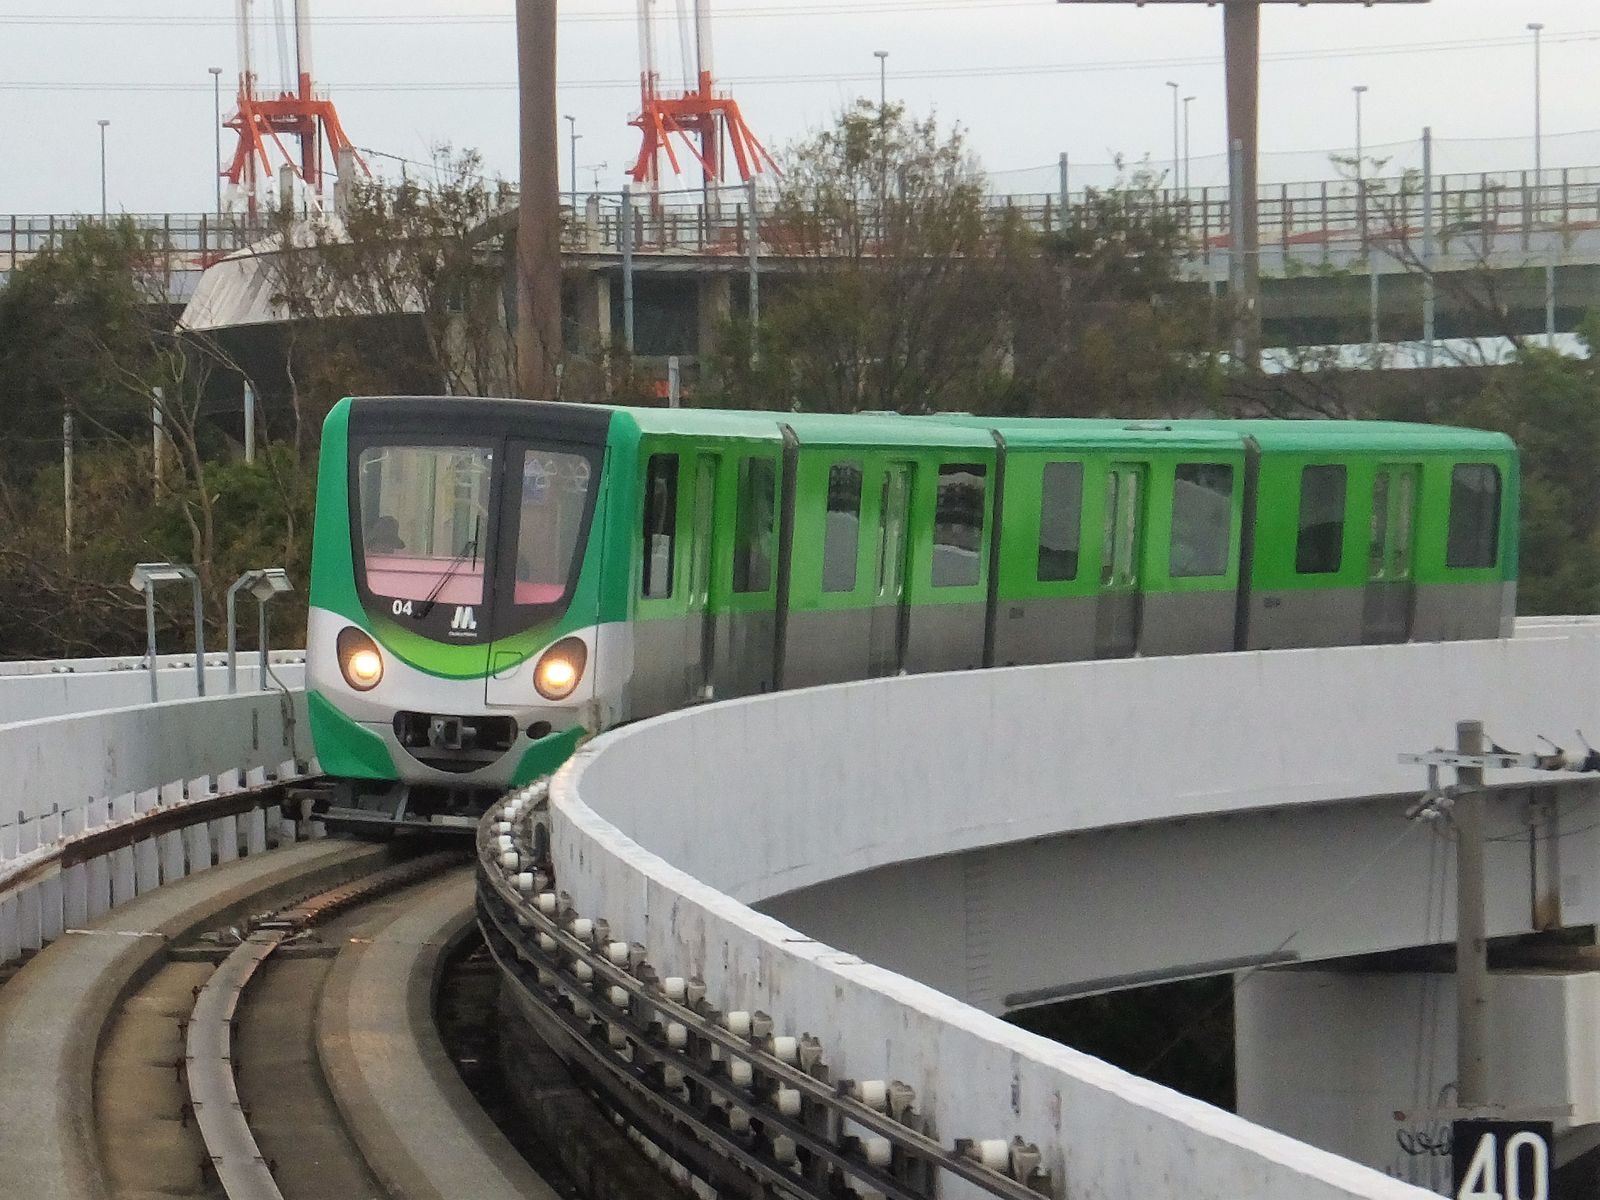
(424, 520)
(430, 551)
(552, 509)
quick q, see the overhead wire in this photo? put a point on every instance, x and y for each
(929, 73)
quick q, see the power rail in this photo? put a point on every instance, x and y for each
(711, 1089)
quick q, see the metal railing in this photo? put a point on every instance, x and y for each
(1326, 214)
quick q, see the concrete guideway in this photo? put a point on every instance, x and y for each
(667, 830)
(52, 1012)
(420, 1130)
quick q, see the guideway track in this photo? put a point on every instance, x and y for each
(683, 1071)
(208, 1061)
(92, 1027)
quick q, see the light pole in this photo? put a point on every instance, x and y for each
(1360, 90)
(1537, 28)
(1187, 100)
(1177, 162)
(216, 132)
(572, 128)
(883, 134)
(103, 124)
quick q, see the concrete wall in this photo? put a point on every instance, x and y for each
(61, 763)
(1036, 920)
(30, 691)
(1356, 1062)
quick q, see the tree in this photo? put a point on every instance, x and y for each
(407, 282)
(900, 285)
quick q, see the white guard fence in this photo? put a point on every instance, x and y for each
(99, 807)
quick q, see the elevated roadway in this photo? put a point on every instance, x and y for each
(889, 864)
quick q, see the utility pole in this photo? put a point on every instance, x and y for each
(572, 128)
(539, 203)
(103, 123)
(1187, 100)
(216, 134)
(1177, 160)
(1360, 90)
(66, 477)
(1472, 947)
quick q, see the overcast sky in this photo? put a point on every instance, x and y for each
(1028, 78)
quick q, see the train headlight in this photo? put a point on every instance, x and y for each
(360, 662)
(560, 669)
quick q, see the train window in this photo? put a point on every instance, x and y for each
(1060, 521)
(756, 521)
(555, 497)
(1320, 548)
(1474, 539)
(958, 524)
(1202, 520)
(1378, 550)
(660, 524)
(841, 537)
(423, 520)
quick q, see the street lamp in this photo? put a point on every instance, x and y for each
(103, 123)
(1360, 90)
(1537, 28)
(1186, 102)
(146, 578)
(216, 132)
(572, 128)
(1176, 161)
(883, 80)
(264, 584)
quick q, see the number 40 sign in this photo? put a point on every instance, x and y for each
(1501, 1160)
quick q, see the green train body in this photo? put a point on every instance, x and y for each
(517, 574)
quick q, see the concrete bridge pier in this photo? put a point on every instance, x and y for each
(1363, 1062)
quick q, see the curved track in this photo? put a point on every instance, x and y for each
(181, 1047)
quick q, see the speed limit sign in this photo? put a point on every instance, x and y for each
(1501, 1160)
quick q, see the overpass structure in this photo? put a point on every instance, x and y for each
(878, 870)
(1322, 241)
(887, 866)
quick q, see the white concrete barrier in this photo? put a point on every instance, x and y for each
(65, 777)
(33, 690)
(60, 764)
(669, 828)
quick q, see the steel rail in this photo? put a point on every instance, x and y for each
(231, 1146)
(577, 1037)
(832, 1098)
(208, 1064)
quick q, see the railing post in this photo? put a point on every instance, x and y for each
(1527, 213)
(627, 267)
(1285, 219)
(1327, 229)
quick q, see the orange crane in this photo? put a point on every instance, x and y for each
(297, 111)
(708, 126)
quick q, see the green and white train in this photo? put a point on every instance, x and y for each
(492, 579)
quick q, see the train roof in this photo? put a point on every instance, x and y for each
(969, 430)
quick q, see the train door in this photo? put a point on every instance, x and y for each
(542, 516)
(1390, 598)
(890, 612)
(1120, 605)
(700, 629)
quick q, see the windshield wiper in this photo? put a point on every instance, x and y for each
(471, 547)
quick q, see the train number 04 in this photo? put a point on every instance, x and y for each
(401, 608)
(1523, 1168)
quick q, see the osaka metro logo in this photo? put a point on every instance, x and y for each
(464, 621)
